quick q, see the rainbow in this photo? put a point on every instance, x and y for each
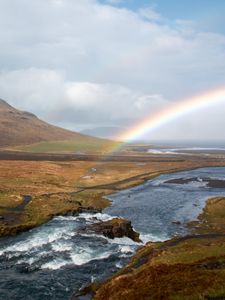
(173, 112)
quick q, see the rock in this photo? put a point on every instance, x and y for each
(86, 293)
(176, 222)
(90, 209)
(115, 228)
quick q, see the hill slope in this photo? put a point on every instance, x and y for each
(18, 128)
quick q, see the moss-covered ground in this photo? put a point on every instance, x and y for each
(83, 144)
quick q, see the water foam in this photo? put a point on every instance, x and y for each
(61, 246)
(182, 150)
(66, 218)
(153, 238)
(38, 240)
(96, 217)
(125, 249)
(123, 241)
(55, 264)
(87, 256)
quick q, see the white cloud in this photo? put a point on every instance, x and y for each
(79, 62)
(37, 90)
(76, 104)
(83, 95)
(48, 92)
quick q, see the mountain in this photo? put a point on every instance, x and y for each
(104, 132)
(24, 128)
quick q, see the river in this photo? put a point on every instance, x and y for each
(54, 260)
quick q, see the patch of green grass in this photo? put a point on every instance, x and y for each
(93, 198)
(191, 251)
(88, 144)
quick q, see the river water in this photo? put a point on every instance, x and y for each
(54, 260)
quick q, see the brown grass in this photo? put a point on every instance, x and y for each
(212, 219)
(192, 269)
(52, 185)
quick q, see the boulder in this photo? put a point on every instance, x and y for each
(176, 222)
(115, 228)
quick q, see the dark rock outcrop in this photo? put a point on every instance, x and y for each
(115, 228)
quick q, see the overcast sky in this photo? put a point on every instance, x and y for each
(88, 63)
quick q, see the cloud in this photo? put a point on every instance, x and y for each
(80, 105)
(150, 14)
(83, 62)
(59, 100)
(37, 90)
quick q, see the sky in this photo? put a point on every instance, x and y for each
(86, 63)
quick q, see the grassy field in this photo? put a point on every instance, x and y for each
(83, 144)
